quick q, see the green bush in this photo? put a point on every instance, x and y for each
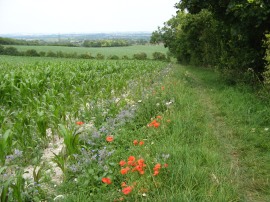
(51, 54)
(113, 57)
(11, 51)
(32, 53)
(140, 56)
(159, 56)
(86, 56)
(2, 49)
(125, 57)
(42, 53)
(100, 56)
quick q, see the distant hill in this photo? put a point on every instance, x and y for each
(81, 36)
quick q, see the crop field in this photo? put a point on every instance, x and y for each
(106, 51)
(58, 112)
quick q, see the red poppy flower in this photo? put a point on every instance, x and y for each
(106, 180)
(156, 125)
(131, 158)
(127, 190)
(156, 173)
(141, 162)
(141, 143)
(135, 142)
(109, 138)
(79, 123)
(157, 167)
(122, 163)
(124, 170)
(159, 117)
(165, 165)
(152, 123)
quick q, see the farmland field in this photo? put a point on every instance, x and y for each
(106, 51)
(44, 100)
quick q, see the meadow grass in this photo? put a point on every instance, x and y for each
(241, 120)
(106, 51)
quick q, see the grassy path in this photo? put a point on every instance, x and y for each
(239, 122)
(221, 130)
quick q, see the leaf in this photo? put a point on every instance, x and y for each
(2, 169)
(4, 195)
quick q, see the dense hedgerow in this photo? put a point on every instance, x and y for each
(222, 35)
(267, 58)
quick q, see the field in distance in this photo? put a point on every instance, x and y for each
(106, 51)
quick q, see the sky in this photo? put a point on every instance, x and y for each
(83, 16)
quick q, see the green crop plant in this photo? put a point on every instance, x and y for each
(61, 161)
(37, 174)
(71, 139)
(5, 145)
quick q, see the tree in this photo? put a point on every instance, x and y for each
(247, 21)
(11, 51)
(2, 49)
(156, 37)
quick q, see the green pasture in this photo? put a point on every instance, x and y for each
(106, 51)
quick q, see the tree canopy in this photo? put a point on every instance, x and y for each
(228, 34)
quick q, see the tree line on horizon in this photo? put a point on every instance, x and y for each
(79, 43)
(228, 35)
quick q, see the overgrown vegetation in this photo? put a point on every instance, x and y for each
(227, 35)
(267, 58)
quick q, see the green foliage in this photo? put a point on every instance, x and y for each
(71, 139)
(100, 56)
(51, 54)
(11, 51)
(9, 41)
(113, 57)
(42, 53)
(33, 53)
(5, 145)
(267, 58)
(61, 161)
(156, 37)
(106, 43)
(193, 38)
(224, 34)
(86, 56)
(140, 56)
(2, 50)
(125, 57)
(159, 56)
